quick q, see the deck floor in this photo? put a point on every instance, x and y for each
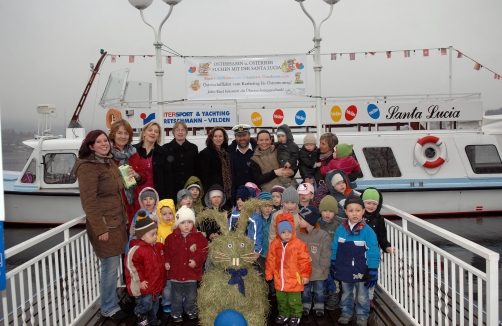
(384, 314)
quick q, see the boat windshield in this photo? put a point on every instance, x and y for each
(58, 168)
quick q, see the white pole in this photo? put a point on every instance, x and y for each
(450, 68)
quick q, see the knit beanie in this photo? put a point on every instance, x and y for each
(336, 178)
(254, 190)
(281, 132)
(344, 150)
(328, 203)
(265, 195)
(353, 199)
(183, 193)
(144, 224)
(309, 139)
(193, 185)
(371, 195)
(147, 193)
(283, 226)
(291, 195)
(279, 189)
(184, 214)
(214, 193)
(305, 188)
(243, 193)
(310, 214)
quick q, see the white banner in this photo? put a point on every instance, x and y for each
(350, 113)
(216, 78)
(277, 117)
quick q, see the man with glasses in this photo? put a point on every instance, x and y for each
(182, 155)
(241, 150)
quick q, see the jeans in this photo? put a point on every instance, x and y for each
(166, 298)
(347, 303)
(108, 285)
(180, 290)
(318, 288)
(147, 305)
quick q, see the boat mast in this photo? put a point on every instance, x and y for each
(74, 123)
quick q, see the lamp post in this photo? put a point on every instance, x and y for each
(141, 5)
(317, 60)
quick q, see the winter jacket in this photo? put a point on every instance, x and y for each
(208, 227)
(101, 187)
(162, 170)
(198, 205)
(165, 228)
(272, 231)
(377, 223)
(347, 164)
(307, 160)
(354, 251)
(210, 169)
(340, 198)
(331, 226)
(135, 163)
(240, 165)
(319, 245)
(265, 227)
(287, 263)
(289, 151)
(183, 160)
(179, 249)
(145, 262)
(263, 164)
(254, 232)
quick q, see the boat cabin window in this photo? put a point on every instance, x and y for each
(58, 168)
(484, 159)
(30, 175)
(381, 162)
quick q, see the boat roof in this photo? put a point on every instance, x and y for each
(52, 144)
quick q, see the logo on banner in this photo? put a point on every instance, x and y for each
(278, 116)
(300, 117)
(195, 85)
(256, 119)
(204, 68)
(146, 118)
(351, 113)
(291, 64)
(336, 113)
(192, 69)
(373, 111)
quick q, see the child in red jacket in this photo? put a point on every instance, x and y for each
(185, 253)
(342, 160)
(145, 271)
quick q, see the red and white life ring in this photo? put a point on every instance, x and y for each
(111, 116)
(437, 145)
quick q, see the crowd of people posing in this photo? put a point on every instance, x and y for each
(317, 244)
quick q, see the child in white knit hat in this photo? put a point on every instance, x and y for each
(339, 187)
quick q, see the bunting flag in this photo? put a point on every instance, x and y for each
(426, 52)
(372, 53)
(497, 76)
(443, 51)
(168, 60)
(352, 56)
(333, 56)
(388, 54)
(459, 54)
(477, 66)
(150, 55)
(114, 59)
(406, 53)
(131, 59)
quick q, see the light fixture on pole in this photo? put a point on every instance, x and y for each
(317, 61)
(141, 5)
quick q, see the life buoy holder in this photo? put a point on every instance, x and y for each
(111, 116)
(439, 150)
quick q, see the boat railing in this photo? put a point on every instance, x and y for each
(432, 286)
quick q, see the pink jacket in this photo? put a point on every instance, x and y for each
(347, 164)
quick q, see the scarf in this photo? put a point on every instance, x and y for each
(102, 158)
(123, 159)
(324, 156)
(225, 170)
(236, 278)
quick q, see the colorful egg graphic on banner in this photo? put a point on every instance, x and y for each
(278, 116)
(256, 119)
(336, 113)
(300, 117)
(299, 65)
(351, 113)
(192, 69)
(373, 111)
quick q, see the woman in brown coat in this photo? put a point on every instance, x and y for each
(100, 184)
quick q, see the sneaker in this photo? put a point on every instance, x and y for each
(121, 314)
(167, 308)
(329, 307)
(142, 320)
(372, 305)
(344, 320)
(294, 321)
(362, 322)
(305, 312)
(178, 319)
(319, 312)
(193, 315)
(281, 320)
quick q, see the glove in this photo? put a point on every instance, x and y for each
(371, 278)
(331, 285)
(332, 270)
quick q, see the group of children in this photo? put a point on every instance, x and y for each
(308, 252)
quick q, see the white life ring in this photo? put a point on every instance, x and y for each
(437, 145)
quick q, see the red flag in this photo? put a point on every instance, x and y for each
(372, 53)
(333, 56)
(114, 59)
(497, 76)
(406, 53)
(131, 59)
(477, 66)
(443, 51)
(388, 54)
(459, 54)
(168, 60)
(426, 52)
(149, 55)
(352, 56)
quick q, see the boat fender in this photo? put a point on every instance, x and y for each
(437, 145)
(111, 116)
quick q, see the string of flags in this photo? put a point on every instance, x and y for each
(132, 58)
(425, 53)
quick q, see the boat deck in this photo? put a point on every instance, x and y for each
(384, 314)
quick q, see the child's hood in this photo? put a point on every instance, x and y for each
(214, 187)
(194, 179)
(287, 131)
(380, 202)
(285, 217)
(344, 150)
(154, 212)
(332, 191)
(166, 203)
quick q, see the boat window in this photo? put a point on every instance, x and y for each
(381, 162)
(484, 159)
(58, 168)
(30, 175)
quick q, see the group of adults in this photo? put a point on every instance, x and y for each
(109, 206)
